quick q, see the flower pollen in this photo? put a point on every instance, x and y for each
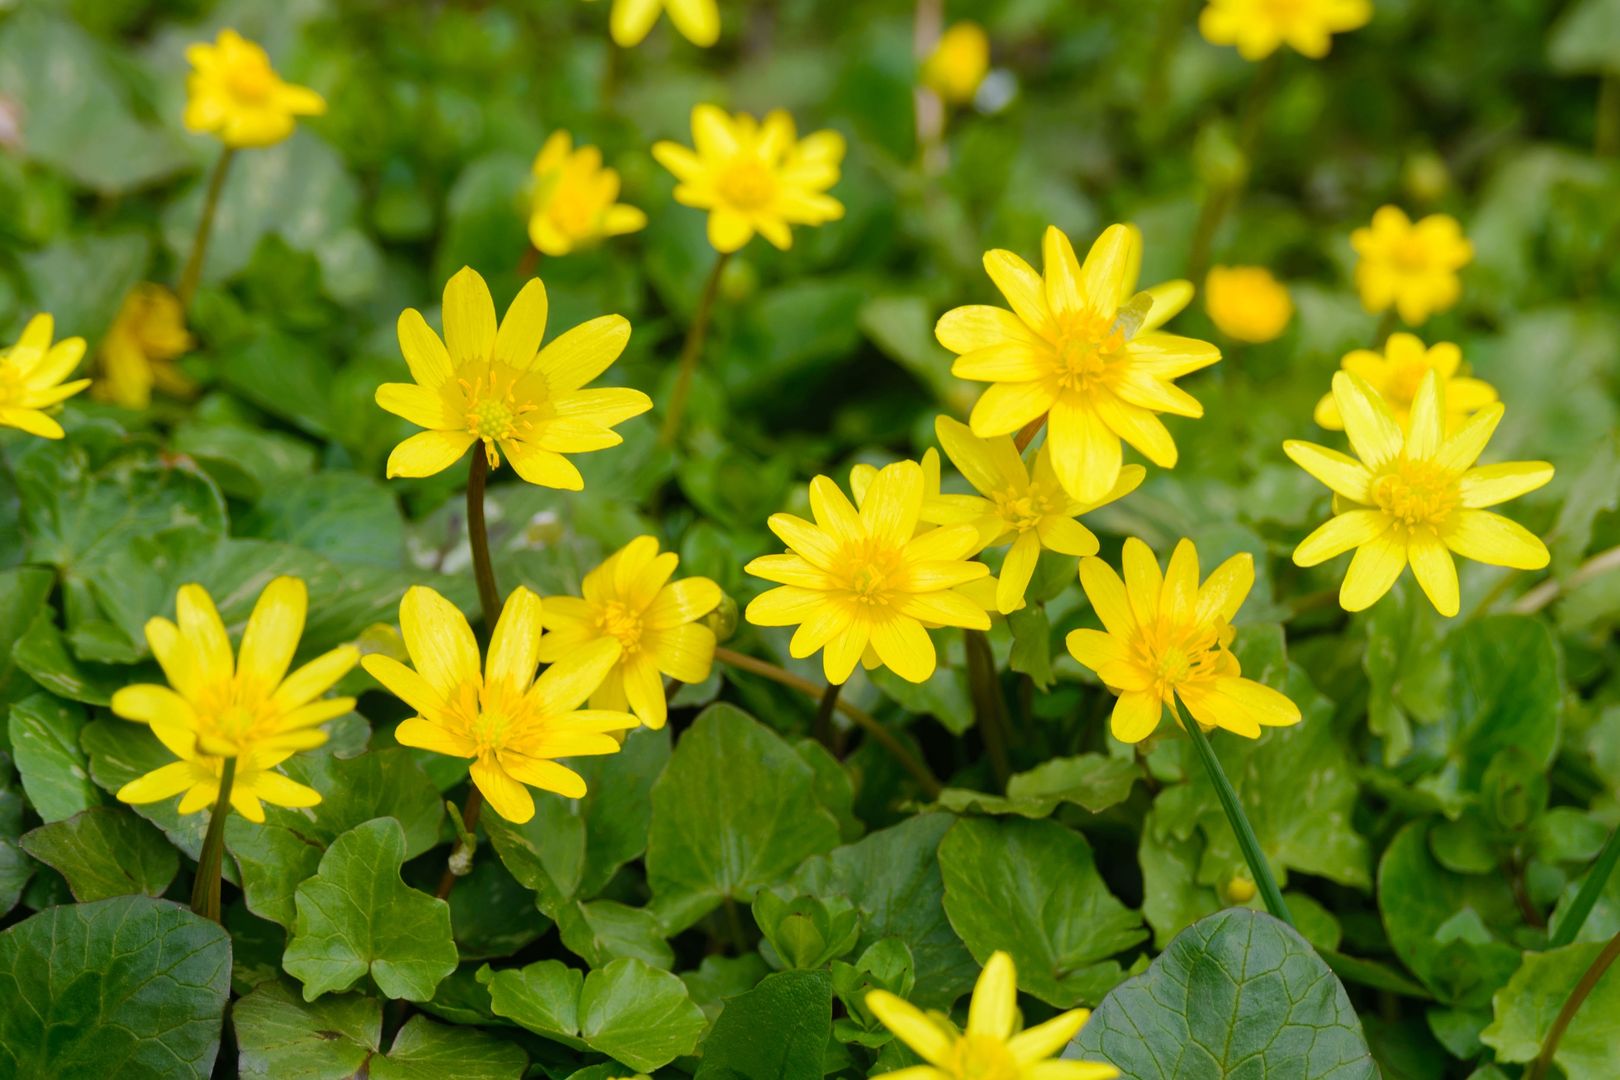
(1417, 495)
(747, 184)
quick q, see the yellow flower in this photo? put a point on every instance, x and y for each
(198, 777)
(139, 350)
(574, 197)
(992, 1047)
(1415, 496)
(1247, 304)
(31, 374)
(630, 599)
(754, 176)
(1410, 266)
(1258, 27)
(509, 723)
(1033, 513)
(862, 584)
(498, 385)
(234, 93)
(223, 706)
(1397, 373)
(959, 63)
(697, 20)
(1078, 347)
(1166, 637)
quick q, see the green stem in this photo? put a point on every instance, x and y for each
(205, 889)
(822, 729)
(1608, 116)
(460, 864)
(690, 351)
(1572, 1005)
(192, 274)
(734, 926)
(1258, 866)
(989, 705)
(1585, 900)
(1387, 324)
(489, 595)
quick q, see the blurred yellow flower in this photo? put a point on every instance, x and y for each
(1398, 372)
(862, 584)
(697, 20)
(499, 386)
(1412, 267)
(234, 93)
(1079, 348)
(754, 176)
(630, 599)
(573, 202)
(196, 778)
(992, 1047)
(31, 374)
(958, 63)
(1165, 636)
(1247, 304)
(512, 725)
(1415, 496)
(1258, 27)
(140, 348)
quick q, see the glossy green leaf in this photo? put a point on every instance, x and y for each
(45, 741)
(777, 1031)
(105, 851)
(1527, 1006)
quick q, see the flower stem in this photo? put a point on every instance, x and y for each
(192, 274)
(460, 864)
(989, 705)
(1027, 433)
(1572, 1005)
(1585, 900)
(690, 351)
(822, 729)
(489, 595)
(1237, 819)
(205, 889)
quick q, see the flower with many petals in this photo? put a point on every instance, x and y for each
(574, 200)
(496, 385)
(140, 348)
(1258, 27)
(1400, 369)
(31, 374)
(958, 63)
(1247, 304)
(1410, 266)
(1415, 496)
(697, 20)
(234, 93)
(196, 779)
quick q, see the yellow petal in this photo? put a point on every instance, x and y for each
(1016, 570)
(784, 606)
(204, 635)
(279, 790)
(546, 775)
(507, 797)
(1435, 572)
(1339, 534)
(313, 679)
(1493, 539)
(521, 331)
(1144, 583)
(581, 354)
(159, 784)
(990, 465)
(439, 640)
(644, 689)
(424, 353)
(697, 20)
(426, 735)
(1095, 649)
(1135, 716)
(1086, 454)
(1373, 570)
(427, 453)
(1225, 590)
(890, 509)
(980, 326)
(1107, 595)
(841, 654)
(1007, 406)
(271, 637)
(904, 647)
(541, 467)
(1489, 485)
(1340, 472)
(1180, 591)
(566, 684)
(994, 1008)
(514, 647)
(1374, 434)
(148, 703)
(1066, 536)
(1102, 279)
(1023, 288)
(911, 1026)
(1067, 295)
(1044, 1040)
(682, 602)
(1426, 426)
(469, 317)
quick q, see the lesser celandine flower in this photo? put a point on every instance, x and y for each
(754, 176)
(1415, 496)
(140, 349)
(1247, 304)
(574, 202)
(512, 725)
(1258, 27)
(1078, 348)
(1165, 636)
(31, 374)
(630, 599)
(496, 385)
(992, 1047)
(196, 778)
(958, 63)
(862, 584)
(1397, 372)
(697, 20)
(234, 93)
(1409, 266)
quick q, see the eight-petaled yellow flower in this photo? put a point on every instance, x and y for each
(234, 93)
(863, 584)
(958, 63)
(1247, 304)
(697, 20)
(1078, 348)
(1258, 27)
(141, 347)
(512, 725)
(1165, 636)
(574, 200)
(196, 778)
(1033, 512)
(496, 385)
(992, 1047)
(1415, 496)
(31, 374)
(630, 599)
(1399, 370)
(754, 176)
(1410, 266)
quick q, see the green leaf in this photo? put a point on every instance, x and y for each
(105, 851)
(1032, 644)
(424, 1050)
(1505, 694)
(120, 751)
(1526, 1007)
(124, 987)
(344, 516)
(1031, 888)
(23, 594)
(43, 655)
(1235, 994)
(1586, 39)
(45, 742)
(245, 462)
(357, 917)
(599, 931)
(82, 281)
(777, 1031)
(542, 997)
(492, 913)
(1093, 782)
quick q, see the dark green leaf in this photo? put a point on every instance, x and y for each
(105, 851)
(45, 742)
(777, 1031)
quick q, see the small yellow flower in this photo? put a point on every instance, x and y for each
(499, 386)
(754, 176)
(1165, 637)
(697, 20)
(140, 348)
(992, 1047)
(573, 203)
(1397, 373)
(630, 599)
(234, 93)
(1080, 349)
(1247, 304)
(512, 725)
(1412, 267)
(1415, 496)
(862, 584)
(31, 374)
(196, 778)
(1258, 27)
(217, 705)
(958, 63)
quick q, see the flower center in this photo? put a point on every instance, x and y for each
(1416, 494)
(747, 184)
(983, 1057)
(574, 211)
(495, 412)
(250, 82)
(617, 620)
(1412, 254)
(1180, 653)
(1284, 11)
(1404, 382)
(1085, 347)
(489, 731)
(868, 572)
(1020, 511)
